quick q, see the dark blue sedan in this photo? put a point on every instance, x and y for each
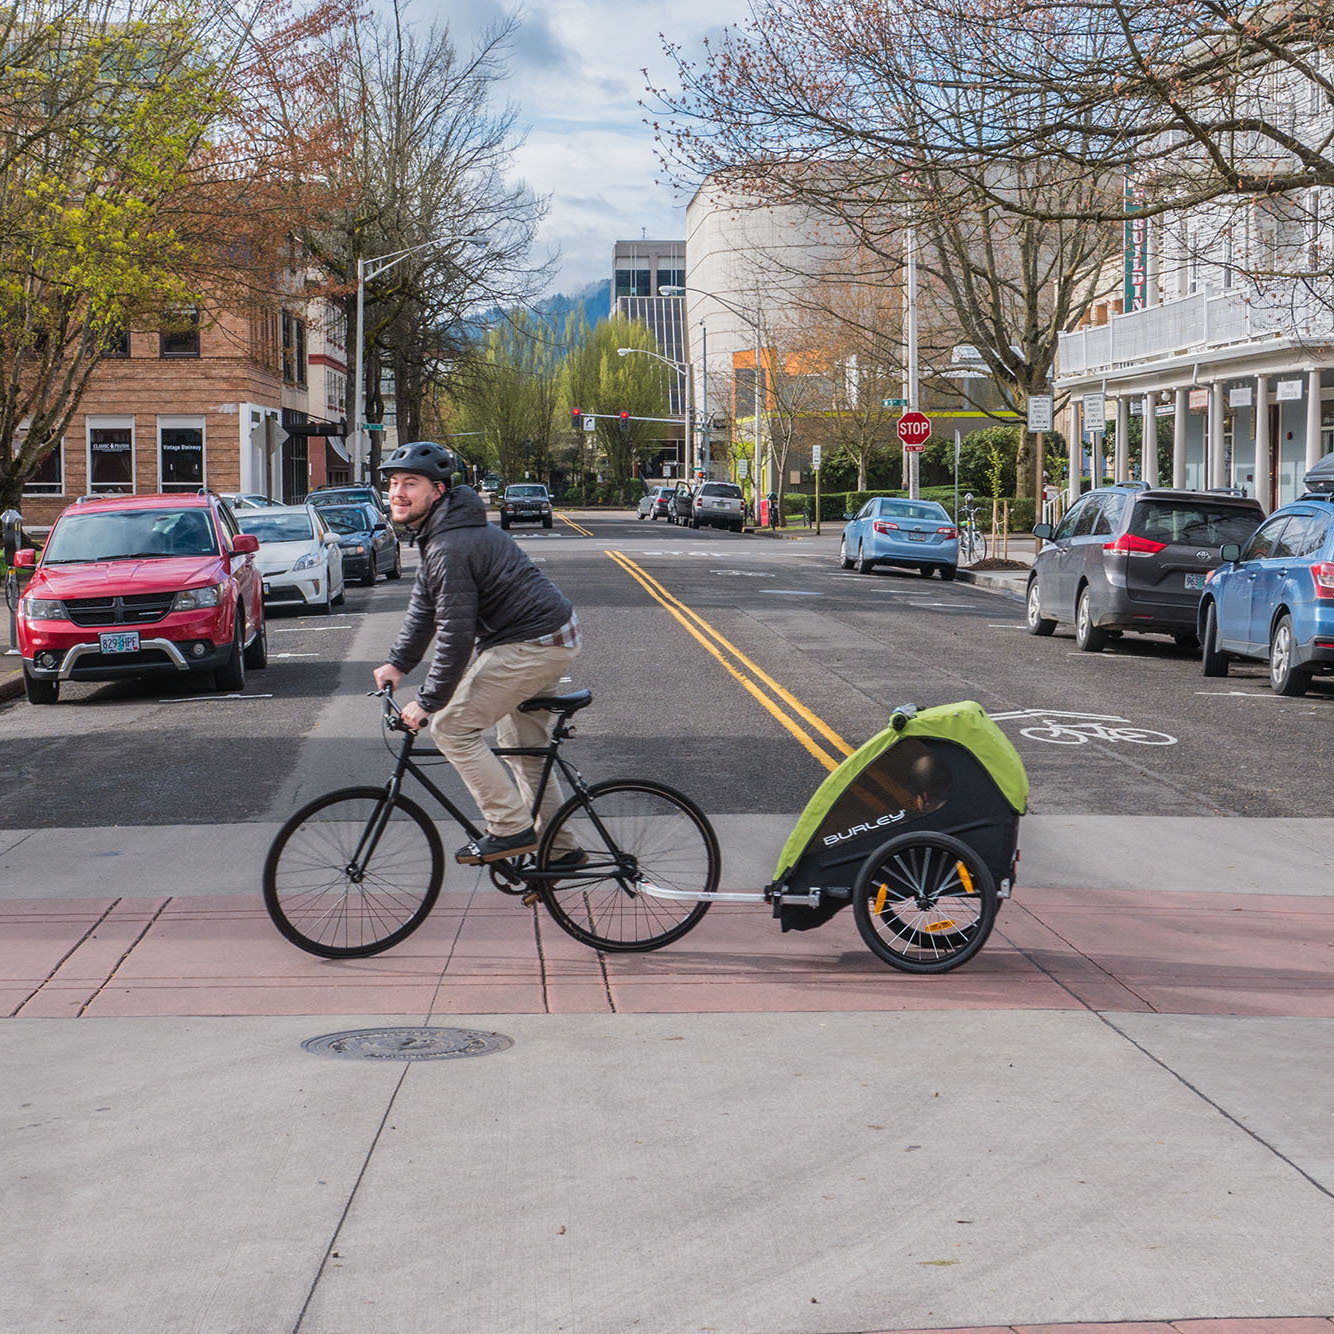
(918, 534)
(1273, 599)
(367, 540)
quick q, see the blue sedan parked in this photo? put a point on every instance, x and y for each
(918, 534)
(1273, 599)
(369, 545)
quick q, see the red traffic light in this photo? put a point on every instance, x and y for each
(625, 416)
(576, 413)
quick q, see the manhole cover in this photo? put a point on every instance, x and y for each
(407, 1044)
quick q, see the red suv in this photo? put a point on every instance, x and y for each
(136, 584)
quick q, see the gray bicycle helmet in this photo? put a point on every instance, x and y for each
(423, 456)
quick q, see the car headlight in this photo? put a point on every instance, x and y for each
(192, 599)
(353, 548)
(43, 609)
(307, 562)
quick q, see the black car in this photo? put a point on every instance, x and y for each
(1131, 557)
(350, 495)
(525, 502)
(367, 542)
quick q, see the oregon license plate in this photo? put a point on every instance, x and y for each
(125, 641)
(1195, 582)
(916, 537)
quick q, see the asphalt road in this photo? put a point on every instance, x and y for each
(734, 667)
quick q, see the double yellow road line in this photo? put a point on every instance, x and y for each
(578, 527)
(808, 729)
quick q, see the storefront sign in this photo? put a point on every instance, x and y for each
(1199, 398)
(1289, 391)
(1240, 398)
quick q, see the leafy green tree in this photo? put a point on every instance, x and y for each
(601, 382)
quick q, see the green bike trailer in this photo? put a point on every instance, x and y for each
(942, 782)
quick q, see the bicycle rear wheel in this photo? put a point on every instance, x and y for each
(352, 873)
(924, 903)
(633, 834)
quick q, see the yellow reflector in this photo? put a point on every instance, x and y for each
(880, 898)
(966, 878)
(947, 925)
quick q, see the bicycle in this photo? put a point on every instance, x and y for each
(972, 541)
(358, 870)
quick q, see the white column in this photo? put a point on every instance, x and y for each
(1214, 453)
(1312, 420)
(1179, 439)
(1074, 462)
(1263, 480)
(1121, 461)
(1148, 435)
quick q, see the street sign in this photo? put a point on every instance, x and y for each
(375, 426)
(590, 423)
(742, 467)
(1095, 412)
(1039, 412)
(893, 402)
(815, 458)
(914, 428)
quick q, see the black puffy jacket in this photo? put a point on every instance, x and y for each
(475, 588)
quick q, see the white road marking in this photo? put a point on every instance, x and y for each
(203, 699)
(296, 655)
(793, 592)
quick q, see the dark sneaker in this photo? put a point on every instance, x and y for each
(568, 861)
(494, 848)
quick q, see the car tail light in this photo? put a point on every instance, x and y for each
(948, 532)
(1130, 545)
(884, 526)
(1322, 572)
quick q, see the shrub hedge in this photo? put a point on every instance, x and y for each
(834, 505)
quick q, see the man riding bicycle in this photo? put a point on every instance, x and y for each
(476, 589)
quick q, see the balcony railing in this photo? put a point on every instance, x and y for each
(1190, 325)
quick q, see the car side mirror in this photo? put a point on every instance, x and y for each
(244, 544)
(1229, 551)
(1043, 530)
(380, 528)
(331, 539)
(25, 559)
(847, 514)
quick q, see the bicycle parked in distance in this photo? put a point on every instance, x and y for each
(358, 870)
(972, 541)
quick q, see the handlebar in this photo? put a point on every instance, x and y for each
(393, 715)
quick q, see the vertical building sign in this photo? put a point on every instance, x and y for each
(1136, 231)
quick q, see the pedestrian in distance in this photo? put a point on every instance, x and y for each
(477, 593)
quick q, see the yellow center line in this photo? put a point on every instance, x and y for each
(681, 613)
(790, 700)
(578, 528)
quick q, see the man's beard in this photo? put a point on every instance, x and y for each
(416, 514)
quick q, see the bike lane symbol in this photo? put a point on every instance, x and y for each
(1062, 728)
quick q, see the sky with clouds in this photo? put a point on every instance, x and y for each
(575, 79)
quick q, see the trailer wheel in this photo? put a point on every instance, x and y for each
(924, 903)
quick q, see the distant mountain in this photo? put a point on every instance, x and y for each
(595, 299)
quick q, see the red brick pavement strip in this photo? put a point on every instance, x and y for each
(486, 954)
(1256, 1325)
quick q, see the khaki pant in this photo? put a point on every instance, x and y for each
(492, 688)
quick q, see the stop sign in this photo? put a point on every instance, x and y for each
(914, 428)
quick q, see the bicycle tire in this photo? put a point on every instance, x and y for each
(320, 904)
(896, 902)
(656, 831)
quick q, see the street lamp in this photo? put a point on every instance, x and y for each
(367, 270)
(683, 369)
(754, 321)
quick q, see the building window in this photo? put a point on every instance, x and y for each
(294, 349)
(181, 455)
(634, 282)
(117, 343)
(181, 338)
(671, 278)
(335, 393)
(49, 477)
(110, 458)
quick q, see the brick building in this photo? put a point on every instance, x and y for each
(227, 401)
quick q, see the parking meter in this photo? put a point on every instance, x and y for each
(11, 525)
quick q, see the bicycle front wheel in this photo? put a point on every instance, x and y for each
(636, 837)
(353, 873)
(925, 902)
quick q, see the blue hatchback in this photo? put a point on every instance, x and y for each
(917, 533)
(1274, 598)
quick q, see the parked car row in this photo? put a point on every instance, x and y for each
(1205, 567)
(140, 585)
(703, 505)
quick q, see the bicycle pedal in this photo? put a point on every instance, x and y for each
(531, 898)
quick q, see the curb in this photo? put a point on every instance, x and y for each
(11, 683)
(994, 583)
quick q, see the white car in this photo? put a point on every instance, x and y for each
(240, 500)
(299, 559)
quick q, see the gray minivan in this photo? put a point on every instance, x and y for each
(1131, 557)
